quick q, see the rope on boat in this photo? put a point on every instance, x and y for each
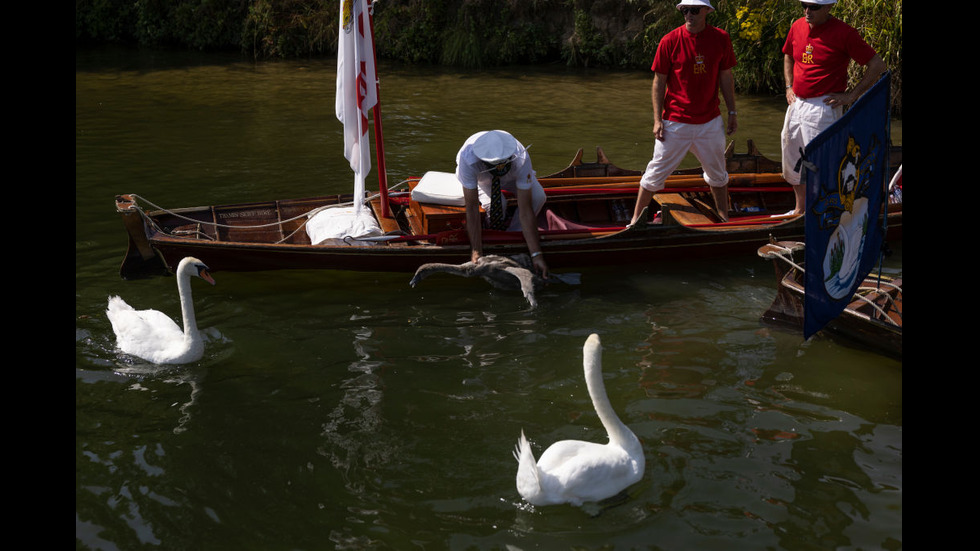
(305, 215)
(888, 300)
(191, 232)
(785, 254)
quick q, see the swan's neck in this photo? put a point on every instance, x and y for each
(619, 433)
(187, 306)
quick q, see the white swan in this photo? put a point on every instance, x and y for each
(151, 334)
(573, 471)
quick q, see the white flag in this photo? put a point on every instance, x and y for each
(357, 88)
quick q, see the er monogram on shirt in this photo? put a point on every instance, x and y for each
(699, 67)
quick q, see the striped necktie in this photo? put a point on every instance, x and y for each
(496, 205)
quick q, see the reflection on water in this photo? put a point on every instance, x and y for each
(356, 410)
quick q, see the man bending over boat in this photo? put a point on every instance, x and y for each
(489, 163)
(692, 62)
(816, 54)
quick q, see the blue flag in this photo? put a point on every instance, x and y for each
(845, 170)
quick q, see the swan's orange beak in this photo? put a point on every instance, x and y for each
(203, 272)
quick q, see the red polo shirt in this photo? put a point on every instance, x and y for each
(692, 63)
(821, 55)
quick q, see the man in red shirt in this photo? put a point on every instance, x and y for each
(817, 52)
(692, 62)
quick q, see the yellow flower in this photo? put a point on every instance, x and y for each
(750, 24)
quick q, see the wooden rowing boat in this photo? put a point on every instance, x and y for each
(588, 208)
(872, 318)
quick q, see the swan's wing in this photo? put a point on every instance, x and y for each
(129, 323)
(522, 260)
(145, 326)
(588, 472)
(142, 333)
(526, 279)
(499, 261)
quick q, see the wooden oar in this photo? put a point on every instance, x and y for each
(684, 180)
(575, 190)
(747, 221)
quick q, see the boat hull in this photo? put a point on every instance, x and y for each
(596, 198)
(651, 244)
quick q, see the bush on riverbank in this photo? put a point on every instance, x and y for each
(480, 33)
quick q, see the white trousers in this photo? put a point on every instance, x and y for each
(805, 119)
(707, 143)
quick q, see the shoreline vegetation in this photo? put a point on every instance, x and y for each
(615, 34)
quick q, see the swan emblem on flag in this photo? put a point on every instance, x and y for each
(848, 210)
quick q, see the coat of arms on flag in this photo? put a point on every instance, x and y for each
(845, 176)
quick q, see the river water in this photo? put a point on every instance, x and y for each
(351, 411)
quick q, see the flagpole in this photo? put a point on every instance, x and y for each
(378, 135)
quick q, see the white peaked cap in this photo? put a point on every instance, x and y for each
(495, 147)
(698, 3)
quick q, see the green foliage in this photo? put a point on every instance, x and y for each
(198, 24)
(406, 31)
(495, 32)
(758, 29)
(290, 28)
(104, 21)
(586, 45)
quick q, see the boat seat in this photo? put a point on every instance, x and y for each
(438, 188)
(389, 224)
(681, 210)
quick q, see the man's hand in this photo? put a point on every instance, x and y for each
(839, 100)
(540, 266)
(658, 129)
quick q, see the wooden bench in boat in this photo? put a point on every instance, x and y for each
(680, 210)
(426, 218)
(387, 224)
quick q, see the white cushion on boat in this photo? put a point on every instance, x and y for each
(332, 225)
(441, 188)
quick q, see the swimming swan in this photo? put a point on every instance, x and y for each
(151, 334)
(573, 471)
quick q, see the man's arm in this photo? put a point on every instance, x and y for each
(727, 83)
(872, 73)
(474, 222)
(658, 91)
(788, 78)
(529, 227)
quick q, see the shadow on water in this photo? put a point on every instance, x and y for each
(112, 59)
